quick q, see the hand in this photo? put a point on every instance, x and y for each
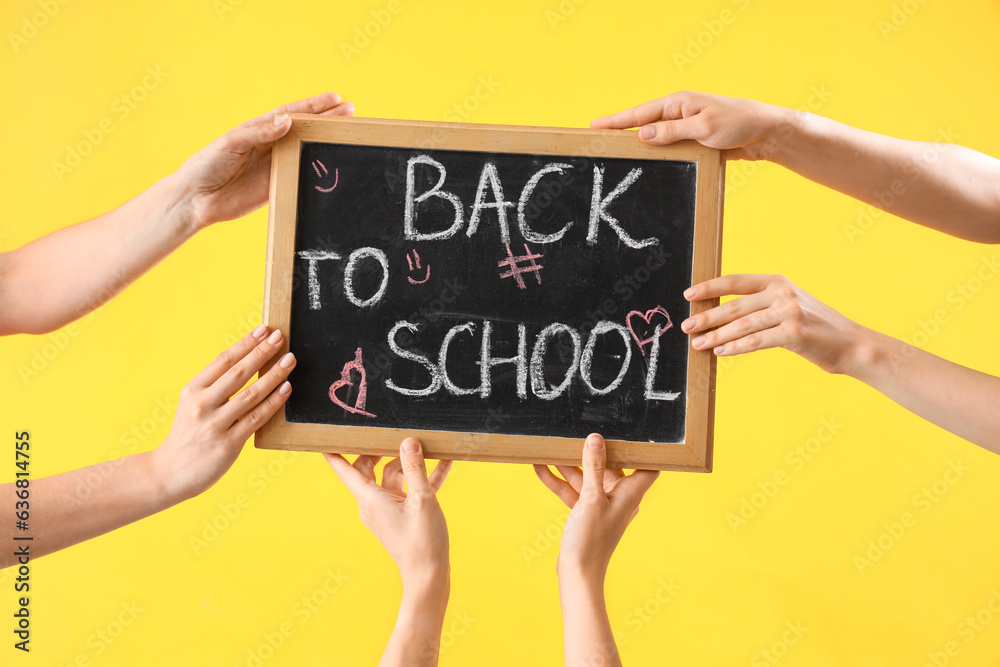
(775, 313)
(230, 177)
(603, 502)
(409, 524)
(210, 428)
(745, 128)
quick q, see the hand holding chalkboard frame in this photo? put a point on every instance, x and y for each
(497, 291)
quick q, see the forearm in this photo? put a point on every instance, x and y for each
(958, 399)
(60, 277)
(943, 186)
(416, 639)
(82, 504)
(587, 636)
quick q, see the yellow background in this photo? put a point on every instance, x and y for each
(793, 562)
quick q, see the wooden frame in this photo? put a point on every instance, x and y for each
(694, 454)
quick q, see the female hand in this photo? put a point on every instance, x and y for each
(603, 502)
(747, 129)
(409, 523)
(774, 313)
(230, 177)
(211, 424)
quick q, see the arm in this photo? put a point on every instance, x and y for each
(54, 280)
(411, 527)
(207, 435)
(942, 186)
(776, 313)
(603, 502)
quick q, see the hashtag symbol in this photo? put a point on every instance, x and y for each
(515, 270)
(22, 525)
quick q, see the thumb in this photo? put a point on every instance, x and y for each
(668, 131)
(595, 456)
(411, 455)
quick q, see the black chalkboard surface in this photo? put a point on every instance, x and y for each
(468, 294)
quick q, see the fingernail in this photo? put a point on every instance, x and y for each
(411, 446)
(259, 332)
(687, 324)
(287, 361)
(647, 132)
(690, 292)
(698, 342)
(280, 118)
(285, 389)
(349, 108)
(274, 337)
(719, 351)
(595, 442)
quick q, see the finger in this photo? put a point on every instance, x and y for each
(225, 361)
(315, 104)
(247, 400)
(669, 107)
(745, 326)
(243, 369)
(411, 455)
(392, 476)
(635, 486)
(355, 481)
(761, 340)
(342, 109)
(611, 478)
(594, 459)
(573, 475)
(257, 417)
(557, 486)
(744, 283)
(366, 466)
(727, 312)
(440, 473)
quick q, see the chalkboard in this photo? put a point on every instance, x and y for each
(500, 292)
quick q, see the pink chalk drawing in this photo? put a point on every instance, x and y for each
(651, 319)
(326, 172)
(415, 263)
(516, 270)
(345, 381)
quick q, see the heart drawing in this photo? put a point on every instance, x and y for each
(345, 381)
(647, 326)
